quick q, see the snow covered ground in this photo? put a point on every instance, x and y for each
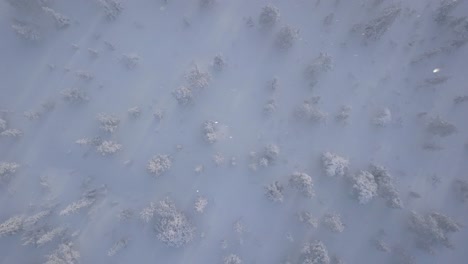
(218, 131)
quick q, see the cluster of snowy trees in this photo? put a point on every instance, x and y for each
(267, 157)
(376, 182)
(159, 164)
(321, 64)
(315, 253)
(308, 111)
(439, 127)
(332, 221)
(31, 28)
(211, 131)
(103, 147)
(36, 231)
(303, 183)
(88, 199)
(109, 123)
(377, 27)
(461, 189)
(232, 259)
(197, 80)
(286, 37)
(171, 225)
(334, 165)
(130, 60)
(112, 8)
(269, 17)
(7, 170)
(365, 184)
(432, 230)
(5, 131)
(75, 95)
(274, 192)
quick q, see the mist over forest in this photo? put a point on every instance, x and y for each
(233, 131)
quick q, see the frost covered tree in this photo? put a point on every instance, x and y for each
(134, 112)
(147, 214)
(130, 61)
(159, 114)
(378, 26)
(432, 230)
(32, 235)
(108, 147)
(219, 159)
(206, 3)
(271, 153)
(211, 131)
(232, 259)
(308, 219)
(344, 114)
(307, 111)
(274, 192)
(273, 84)
(11, 226)
(461, 189)
(302, 182)
(269, 16)
(439, 127)
(50, 235)
(27, 5)
(32, 115)
(3, 124)
(88, 199)
(319, 65)
(112, 8)
(117, 247)
(78, 205)
(364, 186)
(386, 186)
(219, 63)
(172, 227)
(7, 170)
(266, 158)
(379, 244)
(26, 31)
(198, 79)
(286, 37)
(442, 13)
(74, 95)
(270, 107)
(332, 222)
(34, 219)
(334, 165)
(64, 254)
(84, 75)
(159, 164)
(315, 253)
(200, 204)
(382, 118)
(61, 21)
(11, 133)
(183, 95)
(460, 99)
(109, 123)
(96, 141)
(35, 229)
